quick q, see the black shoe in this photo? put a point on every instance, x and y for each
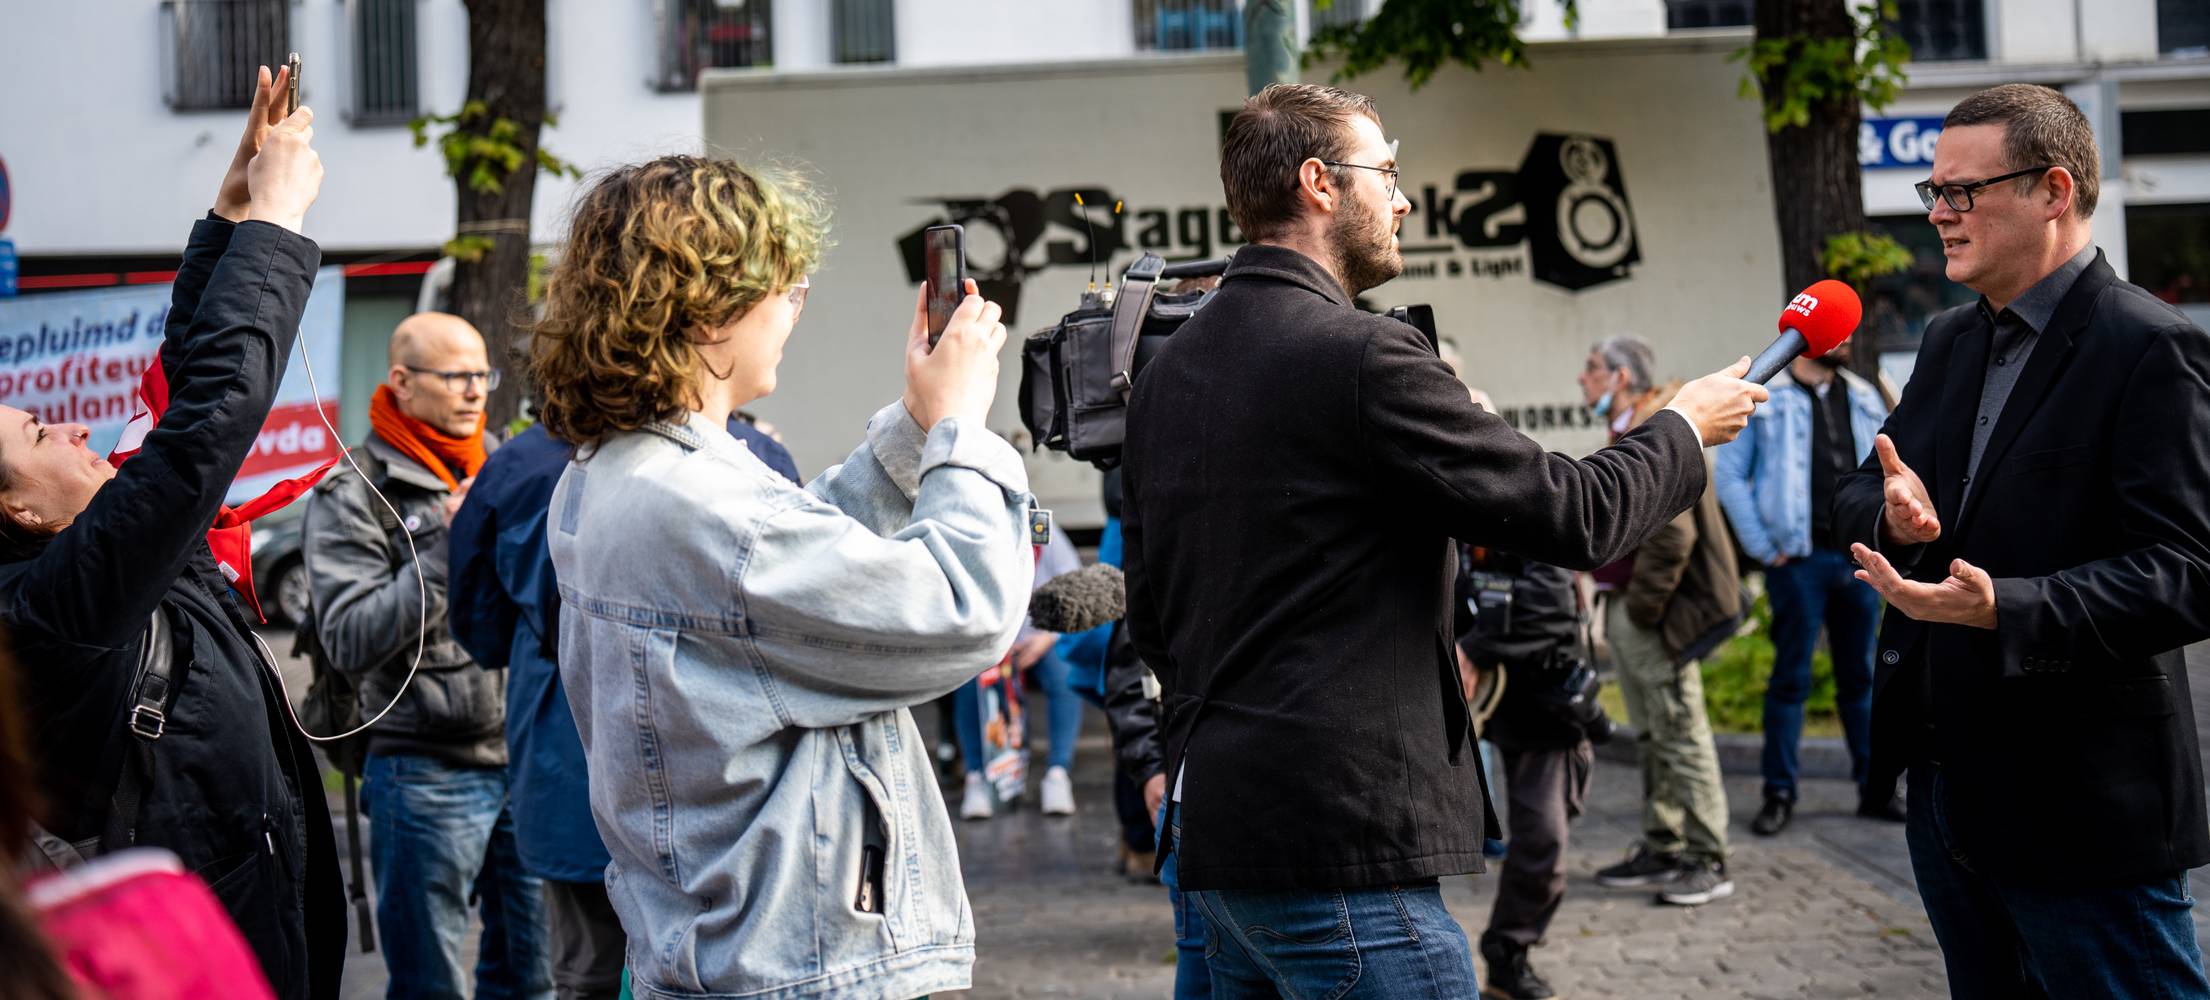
(1774, 817)
(1699, 882)
(1510, 977)
(1641, 868)
(1890, 809)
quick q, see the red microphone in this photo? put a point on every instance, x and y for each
(1816, 321)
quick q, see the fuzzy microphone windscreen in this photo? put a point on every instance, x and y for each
(1079, 601)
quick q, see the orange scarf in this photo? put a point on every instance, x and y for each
(433, 449)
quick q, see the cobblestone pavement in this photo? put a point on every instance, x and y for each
(1826, 909)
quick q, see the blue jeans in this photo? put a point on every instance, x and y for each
(1192, 980)
(2009, 941)
(1808, 593)
(441, 835)
(1381, 943)
(1063, 715)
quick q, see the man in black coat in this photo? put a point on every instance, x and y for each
(2038, 517)
(1295, 470)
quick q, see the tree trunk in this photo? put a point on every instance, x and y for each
(506, 71)
(1817, 184)
(1269, 44)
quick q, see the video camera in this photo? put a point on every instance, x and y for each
(1076, 374)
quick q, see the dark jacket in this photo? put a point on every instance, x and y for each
(1684, 585)
(228, 771)
(2066, 736)
(1533, 635)
(369, 609)
(1294, 472)
(503, 604)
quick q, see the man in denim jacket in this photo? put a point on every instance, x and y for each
(1777, 483)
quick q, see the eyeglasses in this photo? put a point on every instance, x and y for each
(1391, 171)
(459, 381)
(798, 295)
(1959, 196)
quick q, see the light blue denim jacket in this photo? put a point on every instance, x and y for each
(1764, 475)
(740, 654)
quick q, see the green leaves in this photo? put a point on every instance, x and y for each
(1426, 35)
(1799, 73)
(1859, 257)
(483, 150)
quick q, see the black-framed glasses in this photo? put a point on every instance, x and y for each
(1391, 171)
(458, 382)
(1959, 196)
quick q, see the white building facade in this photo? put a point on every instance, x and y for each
(124, 112)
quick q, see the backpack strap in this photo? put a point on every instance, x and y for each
(148, 718)
(1129, 309)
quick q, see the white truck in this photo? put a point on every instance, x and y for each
(1616, 187)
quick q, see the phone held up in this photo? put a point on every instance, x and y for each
(291, 86)
(944, 249)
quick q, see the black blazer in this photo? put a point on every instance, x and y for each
(1294, 472)
(2066, 736)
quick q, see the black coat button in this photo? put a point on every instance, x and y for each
(1891, 657)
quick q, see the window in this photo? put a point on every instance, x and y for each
(1189, 25)
(2164, 132)
(698, 35)
(865, 31)
(2168, 253)
(384, 77)
(1681, 14)
(2183, 27)
(1340, 14)
(1897, 306)
(211, 50)
(1943, 30)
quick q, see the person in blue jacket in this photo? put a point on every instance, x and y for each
(505, 608)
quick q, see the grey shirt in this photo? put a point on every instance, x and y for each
(2017, 329)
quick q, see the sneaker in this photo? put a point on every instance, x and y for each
(1699, 882)
(1510, 977)
(1640, 869)
(976, 804)
(1058, 793)
(1774, 817)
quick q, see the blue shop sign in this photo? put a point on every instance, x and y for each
(1897, 142)
(7, 268)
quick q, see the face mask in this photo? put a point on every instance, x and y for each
(1602, 406)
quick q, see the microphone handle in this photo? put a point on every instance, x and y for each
(1774, 358)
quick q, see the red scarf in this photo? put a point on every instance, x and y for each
(231, 537)
(430, 448)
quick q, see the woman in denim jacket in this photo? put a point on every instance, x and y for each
(740, 652)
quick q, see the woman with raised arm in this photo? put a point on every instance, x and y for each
(154, 718)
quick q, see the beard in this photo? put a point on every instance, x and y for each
(1366, 255)
(1832, 360)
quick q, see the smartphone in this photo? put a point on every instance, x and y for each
(944, 252)
(291, 89)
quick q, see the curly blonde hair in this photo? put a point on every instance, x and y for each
(656, 250)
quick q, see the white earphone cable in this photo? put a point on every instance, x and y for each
(422, 584)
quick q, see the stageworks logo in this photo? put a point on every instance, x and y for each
(1561, 218)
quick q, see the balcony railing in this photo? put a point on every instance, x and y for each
(697, 35)
(1189, 25)
(211, 49)
(386, 88)
(865, 31)
(1943, 30)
